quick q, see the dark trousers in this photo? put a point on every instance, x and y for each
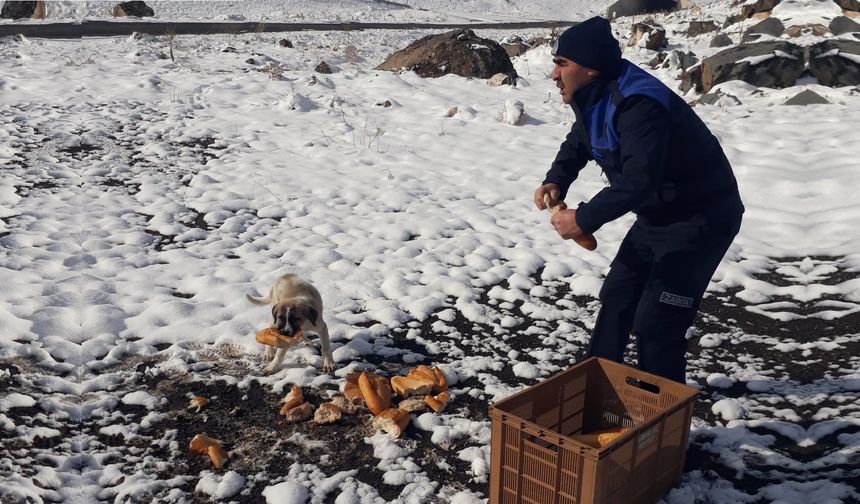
(654, 287)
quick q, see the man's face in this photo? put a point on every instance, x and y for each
(570, 77)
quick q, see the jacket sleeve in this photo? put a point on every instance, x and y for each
(571, 158)
(643, 132)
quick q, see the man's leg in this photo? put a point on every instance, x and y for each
(619, 297)
(671, 300)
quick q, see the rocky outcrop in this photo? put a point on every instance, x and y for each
(623, 8)
(22, 10)
(460, 52)
(653, 34)
(770, 26)
(835, 63)
(136, 9)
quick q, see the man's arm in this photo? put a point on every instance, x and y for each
(643, 133)
(571, 158)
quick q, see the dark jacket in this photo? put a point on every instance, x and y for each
(661, 160)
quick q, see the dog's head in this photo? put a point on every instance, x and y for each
(290, 316)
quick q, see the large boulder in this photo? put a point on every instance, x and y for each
(135, 9)
(770, 26)
(637, 7)
(653, 34)
(697, 28)
(721, 40)
(460, 52)
(759, 8)
(21, 10)
(835, 63)
(842, 24)
(514, 46)
(774, 64)
(853, 5)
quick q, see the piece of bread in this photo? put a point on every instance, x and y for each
(434, 376)
(200, 444)
(351, 389)
(375, 391)
(439, 402)
(393, 421)
(327, 413)
(197, 402)
(413, 405)
(270, 336)
(293, 399)
(217, 455)
(601, 438)
(408, 387)
(346, 406)
(301, 412)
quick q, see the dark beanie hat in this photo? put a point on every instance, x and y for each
(591, 44)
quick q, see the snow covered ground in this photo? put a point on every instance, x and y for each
(141, 198)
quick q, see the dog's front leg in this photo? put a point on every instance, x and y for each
(328, 361)
(276, 361)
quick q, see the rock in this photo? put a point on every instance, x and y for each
(719, 98)
(322, 68)
(760, 6)
(515, 50)
(835, 63)
(806, 97)
(721, 40)
(21, 10)
(513, 113)
(853, 5)
(674, 60)
(817, 30)
(653, 33)
(770, 26)
(843, 24)
(251, 61)
(384, 104)
(228, 49)
(285, 43)
(501, 79)
(460, 52)
(701, 27)
(692, 79)
(775, 64)
(135, 9)
(637, 7)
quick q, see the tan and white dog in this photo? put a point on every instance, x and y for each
(296, 304)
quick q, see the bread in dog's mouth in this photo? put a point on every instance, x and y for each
(272, 337)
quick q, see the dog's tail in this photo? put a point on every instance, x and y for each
(260, 301)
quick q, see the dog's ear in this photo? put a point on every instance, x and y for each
(312, 314)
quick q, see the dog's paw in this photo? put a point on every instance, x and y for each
(328, 367)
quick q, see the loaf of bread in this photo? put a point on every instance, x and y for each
(584, 240)
(408, 387)
(291, 400)
(434, 376)
(217, 455)
(327, 413)
(393, 421)
(376, 392)
(197, 402)
(271, 337)
(351, 389)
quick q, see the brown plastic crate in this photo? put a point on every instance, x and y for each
(535, 461)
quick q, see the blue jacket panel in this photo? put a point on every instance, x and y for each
(660, 159)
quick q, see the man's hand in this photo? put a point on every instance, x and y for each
(552, 190)
(565, 223)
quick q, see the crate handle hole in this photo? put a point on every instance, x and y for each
(647, 387)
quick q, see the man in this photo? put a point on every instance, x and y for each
(663, 164)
